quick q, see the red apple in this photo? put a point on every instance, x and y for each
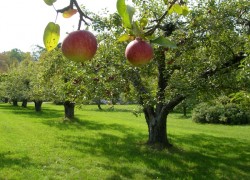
(139, 52)
(79, 46)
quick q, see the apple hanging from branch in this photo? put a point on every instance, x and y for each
(79, 46)
(139, 52)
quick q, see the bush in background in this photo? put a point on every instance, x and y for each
(220, 112)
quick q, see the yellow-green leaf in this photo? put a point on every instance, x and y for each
(143, 22)
(51, 36)
(124, 37)
(175, 8)
(165, 2)
(49, 2)
(185, 10)
(126, 12)
(69, 13)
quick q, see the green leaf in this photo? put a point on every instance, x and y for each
(130, 12)
(185, 10)
(121, 7)
(175, 8)
(49, 2)
(165, 2)
(51, 36)
(162, 41)
(126, 12)
(143, 22)
(124, 37)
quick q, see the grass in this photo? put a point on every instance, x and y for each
(111, 145)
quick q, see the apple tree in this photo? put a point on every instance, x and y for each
(205, 61)
(17, 85)
(193, 53)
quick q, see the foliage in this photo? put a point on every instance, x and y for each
(221, 112)
(17, 85)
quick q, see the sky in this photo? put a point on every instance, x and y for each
(22, 23)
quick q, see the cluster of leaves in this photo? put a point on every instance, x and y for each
(138, 24)
(221, 112)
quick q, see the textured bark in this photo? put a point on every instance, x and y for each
(38, 106)
(156, 114)
(15, 102)
(24, 103)
(69, 109)
(157, 127)
(99, 104)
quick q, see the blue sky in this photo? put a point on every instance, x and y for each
(22, 22)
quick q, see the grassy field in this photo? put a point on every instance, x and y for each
(111, 145)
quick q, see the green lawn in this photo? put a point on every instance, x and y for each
(111, 145)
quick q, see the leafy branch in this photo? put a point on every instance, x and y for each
(82, 15)
(159, 21)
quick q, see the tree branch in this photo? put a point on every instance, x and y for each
(151, 31)
(171, 104)
(81, 13)
(236, 59)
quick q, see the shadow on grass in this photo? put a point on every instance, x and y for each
(210, 158)
(82, 124)
(7, 161)
(30, 111)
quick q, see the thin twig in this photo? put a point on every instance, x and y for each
(151, 31)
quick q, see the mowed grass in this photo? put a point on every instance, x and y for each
(111, 145)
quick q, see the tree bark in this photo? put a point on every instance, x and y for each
(99, 104)
(38, 106)
(24, 103)
(6, 100)
(157, 128)
(156, 114)
(69, 110)
(15, 102)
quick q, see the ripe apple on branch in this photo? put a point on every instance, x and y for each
(139, 51)
(80, 45)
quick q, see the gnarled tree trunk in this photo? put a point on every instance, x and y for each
(69, 110)
(156, 114)
(15, 102)
(156, 118)
(157, 130)
(24, 103)
(6, 100)
(38, 106)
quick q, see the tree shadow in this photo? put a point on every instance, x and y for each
(84, 123)
(46, 113)
(219, 158)
(7, 161)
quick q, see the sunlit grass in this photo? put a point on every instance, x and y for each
(111, 145)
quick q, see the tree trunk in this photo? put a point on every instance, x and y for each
(6, 100)
(15, 102)
(99, 104)
(156, 114)
(157, 129)
(69, 109)
(185, 110)
(157, 134)
(38, 105)
(24, 103)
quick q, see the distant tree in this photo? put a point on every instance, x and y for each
(18, 82)
(63, 80)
